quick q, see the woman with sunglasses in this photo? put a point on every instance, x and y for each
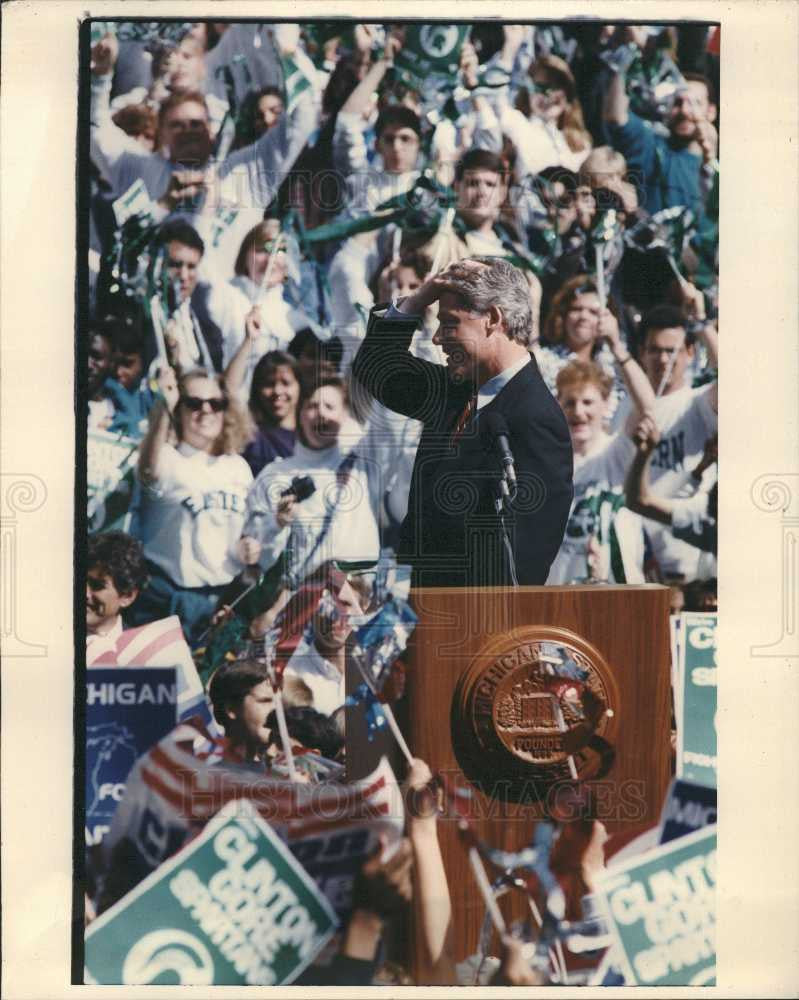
(194, 490)
(546, 126)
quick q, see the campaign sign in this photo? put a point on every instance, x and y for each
(108, 458)
(696, 722)
(128, 710)
(333, 859)
(687, 808)
(661, 910)
(232, 908)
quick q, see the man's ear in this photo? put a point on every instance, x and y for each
(496, 319)
(712, 112)
(125, 600)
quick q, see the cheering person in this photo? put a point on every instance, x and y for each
(193, 499)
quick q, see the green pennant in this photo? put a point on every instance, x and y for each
(431, 50)
(295, 82)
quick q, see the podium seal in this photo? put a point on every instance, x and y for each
(535, 708)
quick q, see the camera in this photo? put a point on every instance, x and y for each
(301, 487)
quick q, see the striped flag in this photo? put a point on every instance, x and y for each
(184, 780)
(157, 644)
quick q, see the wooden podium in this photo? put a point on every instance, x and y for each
(487, 699)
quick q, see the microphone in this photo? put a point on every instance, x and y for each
(497, 435)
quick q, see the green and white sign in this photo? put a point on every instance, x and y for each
(233, 907)
(697, 702)
(430, 50)
(109, 457)
(135, 201)
(110, 462)
(661, 911)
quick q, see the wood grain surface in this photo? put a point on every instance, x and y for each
(629, 628)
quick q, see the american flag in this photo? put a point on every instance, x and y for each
(157, 644)
(184, 780)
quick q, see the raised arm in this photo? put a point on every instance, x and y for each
(637, 488)
(237, 368)
(360, 98)
(385, 367)
(349, 146)
(694, 304)
(432, 901)
(275, 153)
(616, 106)
(641, 393)
(487, 132)
(108, 143)
(160, 423)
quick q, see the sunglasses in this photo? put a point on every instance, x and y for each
(545, 88)
(195, 403)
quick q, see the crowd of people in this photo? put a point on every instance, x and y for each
(255, 190)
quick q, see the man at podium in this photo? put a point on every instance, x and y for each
(492, 481)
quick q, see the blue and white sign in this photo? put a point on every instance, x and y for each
(128, 710)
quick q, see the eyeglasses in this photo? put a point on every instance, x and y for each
(195, 403)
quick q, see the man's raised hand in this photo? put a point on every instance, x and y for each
(104, 55)
(438, 284)
(646, 434)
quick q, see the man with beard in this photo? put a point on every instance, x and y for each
(452, 535)
(668, 171)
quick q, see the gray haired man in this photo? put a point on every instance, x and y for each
(452, 534)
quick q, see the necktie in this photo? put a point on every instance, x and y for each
(463, 419)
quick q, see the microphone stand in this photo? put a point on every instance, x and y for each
(505, 494)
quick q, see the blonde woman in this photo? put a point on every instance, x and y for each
(194, 491)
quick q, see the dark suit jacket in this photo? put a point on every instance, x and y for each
(451, 534)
